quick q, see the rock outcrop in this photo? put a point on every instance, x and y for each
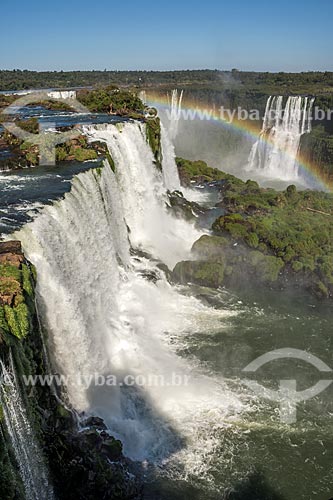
(264, 237)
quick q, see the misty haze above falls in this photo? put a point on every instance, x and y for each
(271, 160)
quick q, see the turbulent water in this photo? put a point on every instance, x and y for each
(27, 452)
(275, 153)
(110, 311)
(142, 190)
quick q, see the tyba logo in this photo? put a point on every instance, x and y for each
(47, 139)
(287, 395)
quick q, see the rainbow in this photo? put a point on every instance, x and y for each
(310, 170)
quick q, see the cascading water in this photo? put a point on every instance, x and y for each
(275, 153)
(109, 311)
(27, 453)
(143, 96)
(63, 94)
(171, 175)
(174, 112)
(142, 189)
(170, 170)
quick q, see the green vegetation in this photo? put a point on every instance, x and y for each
(16, 289)
(30, 125)
(111, 99)
(198, 171)
(153, 131)
(210, 247)
(202, 273)
(102, 150)
(81, 154)
(18, 320)
(28, 154)
(5, 100)
(27, 280)
(295, 228)
(89, 462)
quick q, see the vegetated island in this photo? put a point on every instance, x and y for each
(264, 237)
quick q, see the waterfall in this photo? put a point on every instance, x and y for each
(170, 170)
(143, 96)
(27, 453)
(62, 94)
(110, 310)
(56, 94)
(142, 189)
(174, 112)
(275, 152)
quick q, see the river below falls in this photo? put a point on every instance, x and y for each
(255, 456)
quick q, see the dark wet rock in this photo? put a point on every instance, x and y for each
(96, 422)
(150, 275)
(89, 465)
(184, 208)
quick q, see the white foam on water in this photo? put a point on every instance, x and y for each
(108, 311)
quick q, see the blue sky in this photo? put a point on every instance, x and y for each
(258, 35)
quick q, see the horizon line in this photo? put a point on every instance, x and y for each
(105, 70)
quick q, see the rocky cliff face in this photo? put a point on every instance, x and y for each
(84, 462)
(316, 148)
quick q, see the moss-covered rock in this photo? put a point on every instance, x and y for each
(210, 247)
(153, 131)
(18, 320)
(241, 264)
(291, 233)
(265, 267)
(198, 172)
(15, 290)
(82, 154)
(203, 273)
